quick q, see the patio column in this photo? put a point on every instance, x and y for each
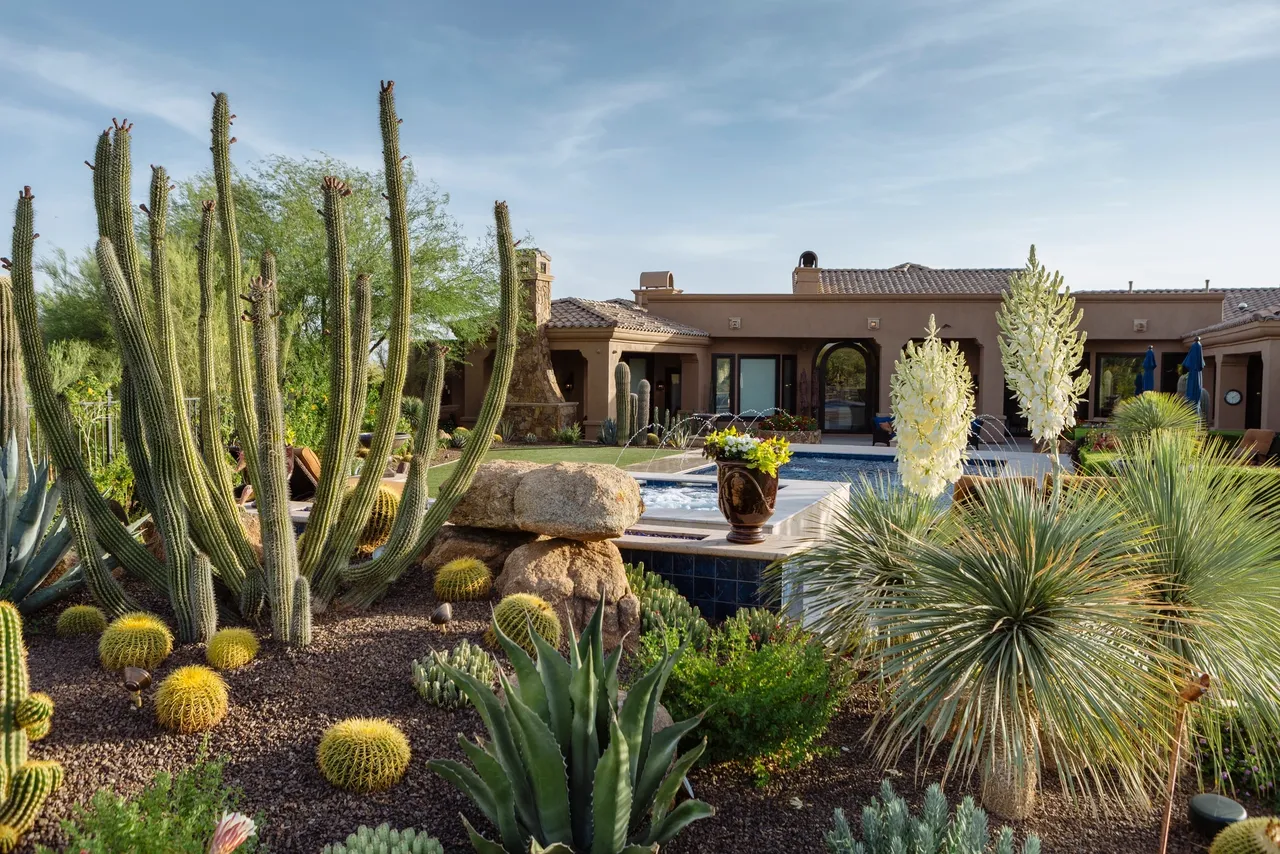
(990, 382)
(695, 377)
(598, 404)
(890, 352)
(1271, 385)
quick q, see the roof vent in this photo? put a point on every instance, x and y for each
(808, 258)
(1242, 306)
(1206, 284)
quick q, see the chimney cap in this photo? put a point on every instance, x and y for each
(808, 258)
(657, 280)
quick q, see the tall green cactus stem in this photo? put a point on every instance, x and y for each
(372, 578)
(301, 617)
(13, 393)
(326, 577)
(53, 414)
(622, 400)
(166, 455)
(634, 411)
(103, 586)
(211, 446)
(341, 414)
(24, 784)
(279, 548)
(642, 410)
(361, 329)
(233, 271)
(120, 229)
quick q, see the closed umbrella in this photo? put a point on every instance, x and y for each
(1194, 363)
(1149, 370)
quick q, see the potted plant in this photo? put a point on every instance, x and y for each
(747, 469)
(794, 428)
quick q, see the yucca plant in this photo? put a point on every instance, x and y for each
(567, 769)
(35, 535)
(1214, 564)
(864, 557)
(1027, 638)
(1146, 413)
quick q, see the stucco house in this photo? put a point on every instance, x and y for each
(826, 346)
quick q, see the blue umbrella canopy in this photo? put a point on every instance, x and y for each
(1149, 370)
(1194, 363)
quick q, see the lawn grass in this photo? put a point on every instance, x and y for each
(557, 454)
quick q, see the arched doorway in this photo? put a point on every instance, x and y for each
(847, 373)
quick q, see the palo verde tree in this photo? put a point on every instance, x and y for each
(179, 469)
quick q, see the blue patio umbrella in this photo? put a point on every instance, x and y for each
(1149, 370)
(1194, 363)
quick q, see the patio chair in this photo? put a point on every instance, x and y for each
(1255, 446)
(882, 430)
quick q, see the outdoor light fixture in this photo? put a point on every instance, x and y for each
(873, 323)
(136, 680)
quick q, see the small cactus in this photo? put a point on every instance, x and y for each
(463, 580)
(435, 685)
(458, 439)
(608, 434)
(231, 648)
(516, 613)
(531, 438)
(384, 840)
(663, 607)
(652, 440)
(137, 639)
(191, 699)
(762, 625)
(1251, 836)
(363, 755)
(81, 620)
(497, 438)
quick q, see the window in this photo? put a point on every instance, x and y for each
(722, 384)
(787, 396)
(639, 366)
(1118, 379)
(542, 266)
(758, 385)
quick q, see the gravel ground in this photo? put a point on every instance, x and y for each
(359, 666)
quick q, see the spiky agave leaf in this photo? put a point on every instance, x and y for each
(1029, 633)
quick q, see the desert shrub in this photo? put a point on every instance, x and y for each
(1245, 763)
(531, 438)
(784, 422)
(172, 815)
(764, 703)
(570, 435)
(1146, 413)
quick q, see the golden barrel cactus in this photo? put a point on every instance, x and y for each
(191, 699)
(465, 579)
(231, 648)
(363, 755)
(137, 639)
(1251, 836)
(81, 620)
(517, 613)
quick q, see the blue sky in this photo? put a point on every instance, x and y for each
(1129, 139)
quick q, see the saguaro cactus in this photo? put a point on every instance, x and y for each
(24, 717)
(622, 400)
(633, 409)
(642, 407)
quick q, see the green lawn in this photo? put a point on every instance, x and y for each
(557, 454)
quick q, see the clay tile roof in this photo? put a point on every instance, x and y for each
(915, 279)
(1260, 304)
(578, 313)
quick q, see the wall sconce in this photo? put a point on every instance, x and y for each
(735, 323)
(568, 386)
(136, 680)
(662, 386)
(873, 323)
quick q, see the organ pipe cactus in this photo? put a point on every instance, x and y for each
(622, 400)
(642, 406)
(566, 767)
(24, 784)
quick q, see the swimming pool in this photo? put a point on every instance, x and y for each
(844, 467)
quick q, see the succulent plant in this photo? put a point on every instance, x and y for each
(459, 439)
(663, 607)
(431, 677)
(137, 639)
(566, 767)
(25, 784)
(465, 579)
(34, 536)
(381, 518)
(384, 840)
(191, 699)
(608, 433)
(1251, 836)
(641, 579)
(363, 755)
(763, 625)
(519, 613)
(231, 648)
(81, 620)
(652, 440)
(531, 438)
(889, 828)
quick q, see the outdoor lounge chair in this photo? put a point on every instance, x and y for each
(1255, 446)
(882, 430)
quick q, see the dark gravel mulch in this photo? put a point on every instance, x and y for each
(359, 665)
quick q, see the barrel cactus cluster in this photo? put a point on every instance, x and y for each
(520, 616)
(25, 784)
(191, 699)
(363, 755)
(384, 840)
(136, 639)
(431, 675)
(464, 579)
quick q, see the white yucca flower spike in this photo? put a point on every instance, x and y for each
(931, 393)
(1042, 349)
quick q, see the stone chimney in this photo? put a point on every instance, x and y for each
(807, 278)
(535, 403)
(535, 281)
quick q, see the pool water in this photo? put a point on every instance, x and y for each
(676, 495)
(852, 467)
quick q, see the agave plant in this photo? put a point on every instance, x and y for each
(567, 768)
(1214, 561)
(1024, 639)
(864, 557)
(1147, 413)
(34, 542)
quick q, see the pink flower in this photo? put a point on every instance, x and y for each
(231, 833)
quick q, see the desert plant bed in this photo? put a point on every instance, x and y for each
(359, 665)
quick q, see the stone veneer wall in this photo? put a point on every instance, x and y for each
(717, 586)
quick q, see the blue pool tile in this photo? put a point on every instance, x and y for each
(724, 610)
(681, 564)
(748, 594)
(704, 589)
(704, 566)
(684, 585)
(726, 590)
(661, 563)
(750, 570)
(707, 609)
(726, 567)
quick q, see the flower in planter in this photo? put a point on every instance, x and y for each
(784, 422)
(764, 455)
(932, 397)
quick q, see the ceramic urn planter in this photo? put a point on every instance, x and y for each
(747, 498)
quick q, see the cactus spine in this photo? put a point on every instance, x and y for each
(622, 400)
(642, 408)
(24, 785)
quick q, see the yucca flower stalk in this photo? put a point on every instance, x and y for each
(1041, 348)
(931, 393)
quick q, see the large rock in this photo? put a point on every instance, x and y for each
(577, 501)
(490, 502)
(485, 544)
(572, 576)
